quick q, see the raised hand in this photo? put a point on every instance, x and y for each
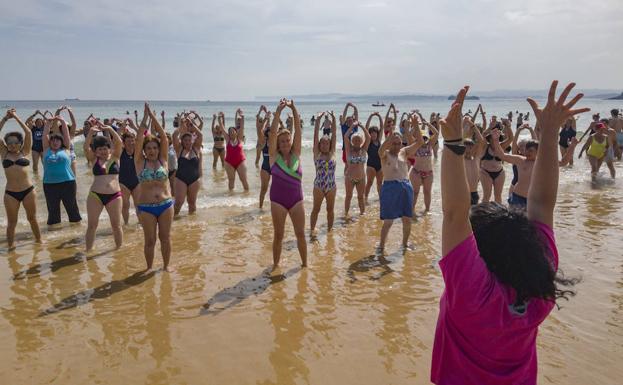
(451, 127)
(556, 112)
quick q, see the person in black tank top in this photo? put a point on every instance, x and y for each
(187, 177)
(373, 164)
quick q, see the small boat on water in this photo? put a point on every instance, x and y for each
(378, 104)
(72, 100)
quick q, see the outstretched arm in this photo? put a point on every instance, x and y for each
(455, 200)
(544, 184)
(333, 132)
(298, 134)
(3, 149)
(27, 147)
(274, 128)
(316, 146)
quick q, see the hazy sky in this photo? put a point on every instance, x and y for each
(191, 49)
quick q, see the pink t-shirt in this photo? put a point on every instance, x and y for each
(481, 338)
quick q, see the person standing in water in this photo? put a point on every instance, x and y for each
(155, 203)
(397, 192)
(616, 123)
(235, 159)
(36, 129)
(373, 165)
(218, 149)
(187, 141)
(105, 191)
(286, 191)
(263, 128)
(324, 162)
(59, 180)
(356, 148)
(19, 190)
(497, 285)
(421, 173)
(567, 132)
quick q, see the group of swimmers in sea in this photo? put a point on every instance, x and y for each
(498, 288)
(160, 171)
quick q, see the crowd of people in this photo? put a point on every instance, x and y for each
(484, 271)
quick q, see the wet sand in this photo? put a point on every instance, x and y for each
(223, 318)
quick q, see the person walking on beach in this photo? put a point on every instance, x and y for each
(397, 192)
(498, 289)
(19, 190)
(325, 164)
(154, 204)
(105, 191)
(286, 190)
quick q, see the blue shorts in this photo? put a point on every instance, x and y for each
(396, 199)
(517, 201)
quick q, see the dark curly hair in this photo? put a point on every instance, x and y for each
(100, 141)
(516, 253)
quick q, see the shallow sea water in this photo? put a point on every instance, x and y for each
(222, 318)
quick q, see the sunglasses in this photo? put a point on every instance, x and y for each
(13, 141)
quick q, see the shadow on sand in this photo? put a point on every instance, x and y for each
(231, 296)
(100, 292)
(373, 262)
(41, 269)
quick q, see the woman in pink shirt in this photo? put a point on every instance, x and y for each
(499, 266)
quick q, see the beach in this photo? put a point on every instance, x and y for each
(222, 318)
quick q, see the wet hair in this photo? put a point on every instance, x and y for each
(516, 253)
(532, 143)
(100, 141)
(59, 137)
(604, 121)
(18, 135)
(614, 112)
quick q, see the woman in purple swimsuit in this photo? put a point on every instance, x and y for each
(286, 191)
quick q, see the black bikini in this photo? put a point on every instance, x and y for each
(22, 162)
(488, 156)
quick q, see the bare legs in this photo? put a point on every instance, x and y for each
(427, 183)
(371, 175)
(159, 227)
(182, 192)
(406, 231)
(125, 207)
(319, 196)
(94, 210)
(297, 215)
(12, 208)
(264, 181)
(36, 157)
(489, 185)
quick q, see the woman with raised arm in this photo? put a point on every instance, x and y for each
(373, 165)
(286, 190)
(187, 140)
(356, 148)
(59, 180)
(345, 122)
(324, 162)
(105, 190)
(497, 285)
(567, 132)
(19, 190)
(397, 192)
(474, 150)
(36, 129)
(218, 149)
(72, 133)
(155, 203)
(597, 147)
(262, 140)
(421, 173)
(234, 155)
(128, 181)
(492, 173)
(391, 117)
(259, 130)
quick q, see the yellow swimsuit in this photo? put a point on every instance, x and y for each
(598, 149)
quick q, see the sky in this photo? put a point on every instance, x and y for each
(238, 49)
